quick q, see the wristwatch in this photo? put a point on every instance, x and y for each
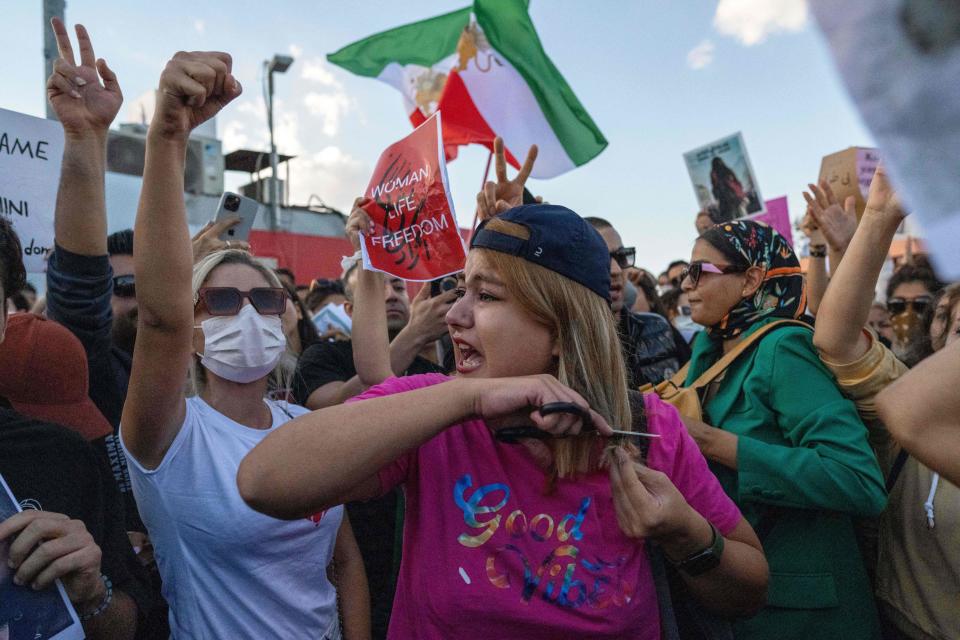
(702, 561)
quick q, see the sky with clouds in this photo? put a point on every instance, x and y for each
(659, 77)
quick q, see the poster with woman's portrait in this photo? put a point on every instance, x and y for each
(26, 614)
(723, 179)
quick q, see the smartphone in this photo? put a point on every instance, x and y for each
(233, 205)
(442, 285)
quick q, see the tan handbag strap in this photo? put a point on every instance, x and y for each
(679, 377)
(721, 365)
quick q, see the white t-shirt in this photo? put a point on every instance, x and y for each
(228, 571)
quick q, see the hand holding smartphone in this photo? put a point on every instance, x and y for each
(232, 206)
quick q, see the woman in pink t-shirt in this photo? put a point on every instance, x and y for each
(539, 540)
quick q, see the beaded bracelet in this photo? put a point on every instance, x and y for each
(818, 251)
(107, 599)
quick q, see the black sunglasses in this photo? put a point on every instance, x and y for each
(227, 301)
(124, 286)
(896, 306)
(697, 269)
(625, 256)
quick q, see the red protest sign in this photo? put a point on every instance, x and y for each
(415, 234)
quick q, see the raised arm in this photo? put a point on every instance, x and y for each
(497, 197)
(817, 278)
(371, 341)
(846, 305)
(193, 88)
(922, 411)
(375, 356)
(836, 220)
(85, 107)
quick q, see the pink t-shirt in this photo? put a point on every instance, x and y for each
(488, 554)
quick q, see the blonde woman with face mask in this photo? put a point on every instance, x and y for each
(228, 572)
(546, 537)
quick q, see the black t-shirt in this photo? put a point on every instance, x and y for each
(50, 468)
(374, 522)
(325, 362)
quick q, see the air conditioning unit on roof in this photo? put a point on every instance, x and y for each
(203, 174)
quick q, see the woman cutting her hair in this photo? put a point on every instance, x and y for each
(503, 540)
(785, 444)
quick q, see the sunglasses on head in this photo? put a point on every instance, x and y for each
(227, 301)
(896, 306)
(697, 269)
(124, 286)
(624, 256)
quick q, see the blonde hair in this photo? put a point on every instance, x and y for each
(280, 377)
(590, 360)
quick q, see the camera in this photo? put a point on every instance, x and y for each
(442, 285)
(231, 202)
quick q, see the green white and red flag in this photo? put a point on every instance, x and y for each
(485, 69)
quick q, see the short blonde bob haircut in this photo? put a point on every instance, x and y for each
(590, 361)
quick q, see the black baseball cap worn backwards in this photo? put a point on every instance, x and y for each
(560, 241)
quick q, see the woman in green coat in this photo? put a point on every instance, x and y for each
(785, 444)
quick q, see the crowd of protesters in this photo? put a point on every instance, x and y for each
(562, 445)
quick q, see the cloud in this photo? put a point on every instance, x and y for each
(328, 107)
(330, 173)
(701, 55)
(199, 26)
(234, 135)
(751, 21)
(311, 109)
(315, 70)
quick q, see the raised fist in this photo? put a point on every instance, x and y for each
(194, 87)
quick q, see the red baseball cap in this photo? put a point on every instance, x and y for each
(43, 375)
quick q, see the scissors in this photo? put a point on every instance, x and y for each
(512, 435)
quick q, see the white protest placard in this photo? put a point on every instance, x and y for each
(26, 614)
(900, 61)
(31, 150)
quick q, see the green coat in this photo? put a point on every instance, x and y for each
(802, 454)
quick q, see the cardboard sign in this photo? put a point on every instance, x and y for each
(31, 150)
(723, 179)
(416, 235)
(26, 614)
(777, 216)
(849, 173)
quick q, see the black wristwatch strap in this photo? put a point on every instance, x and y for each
(702, 561)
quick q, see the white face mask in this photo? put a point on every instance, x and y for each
(244, 347)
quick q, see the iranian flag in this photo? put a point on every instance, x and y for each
(484, 68)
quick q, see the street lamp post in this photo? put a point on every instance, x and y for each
(279, 64)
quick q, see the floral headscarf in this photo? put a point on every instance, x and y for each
(782, 293)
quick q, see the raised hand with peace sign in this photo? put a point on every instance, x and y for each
(81, 101)
(497, 197)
